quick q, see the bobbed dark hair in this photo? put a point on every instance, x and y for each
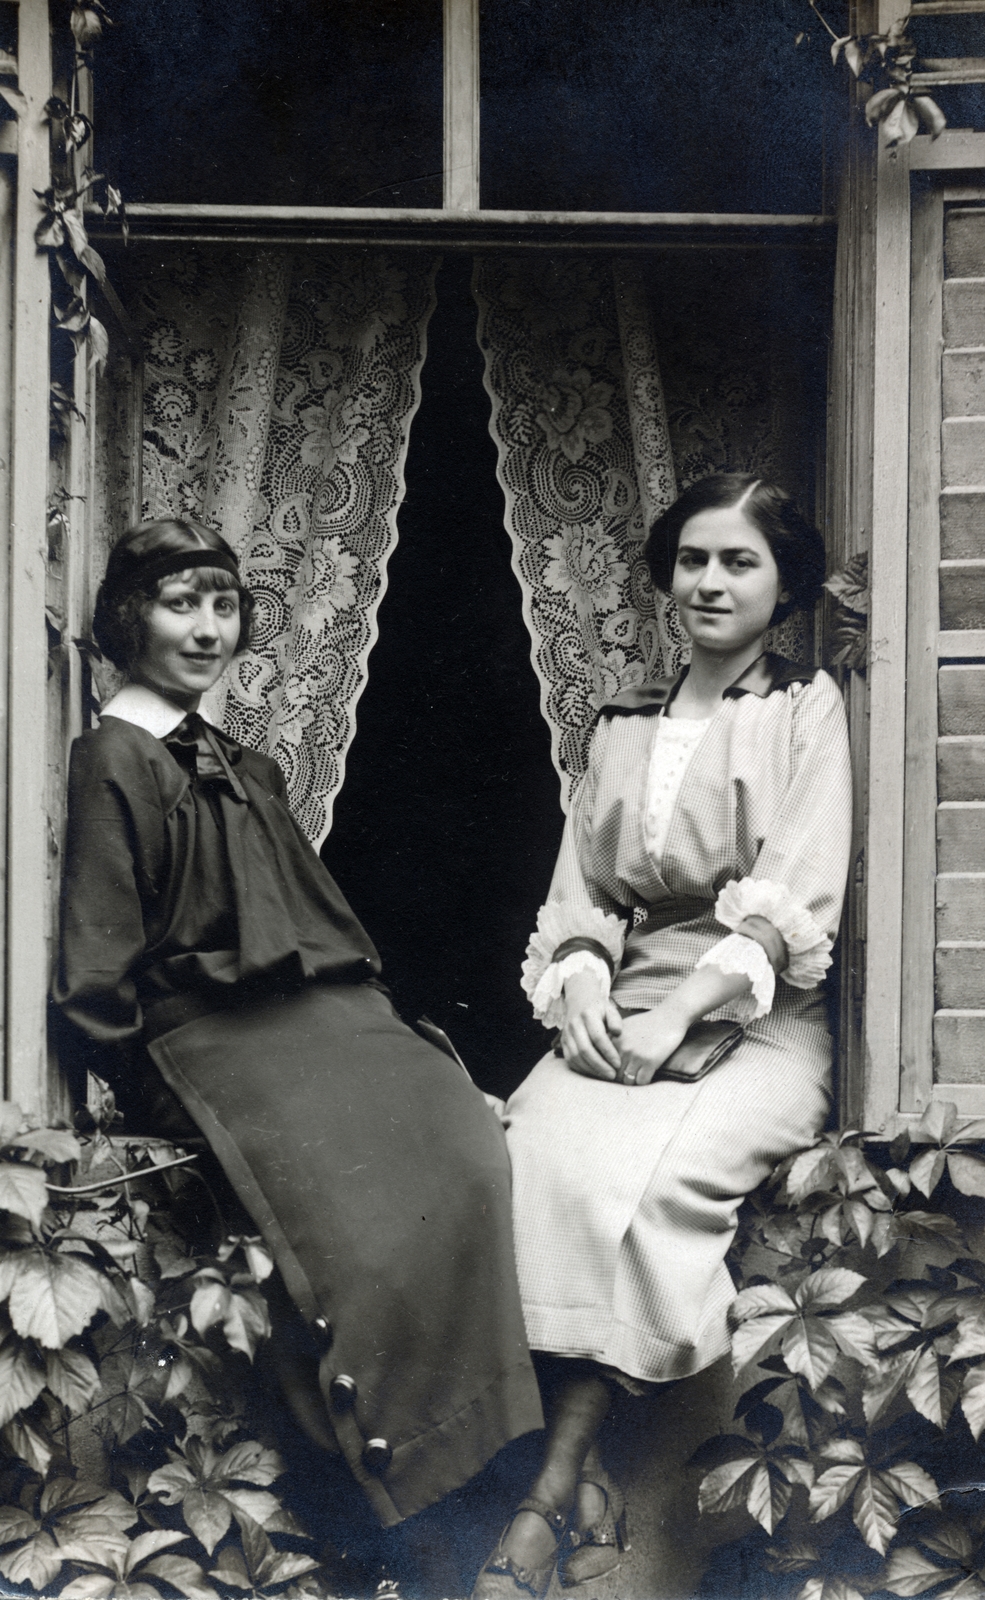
(132, 582)
(797, 547)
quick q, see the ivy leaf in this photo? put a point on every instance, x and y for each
(98, 345)
(973, 1400)
(902, 124)
(967, 1172)
(16, 1523)
(927, 1170)
(37, 1562)
(880, 104)
(763, 1483)
(930, 115)
(768, 1496)
(831, 1286)
(259, 1563)
(875, 1511)
(824, 1588)
(23, 1191)
(53, 1297)
(21, 1377)
(141, 1299)
(53, 1144)
(251, 1462)
(207, 1514)
(231, 1568)
(244, 1316)
(910, 1572)
(855, 55)
(182, 1574)
(130, 1384)
(29, 1445)
(72, 1379)
(832, 1489)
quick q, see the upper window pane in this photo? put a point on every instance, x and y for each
(699, 105)
(272, 102)
(941, 41)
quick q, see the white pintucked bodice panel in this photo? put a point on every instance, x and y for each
(676, 741)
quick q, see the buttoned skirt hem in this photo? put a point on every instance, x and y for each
(456, 1449)
(380, 1181)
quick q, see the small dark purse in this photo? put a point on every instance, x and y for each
(703, 1046)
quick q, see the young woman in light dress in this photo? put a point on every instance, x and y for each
(704, 858)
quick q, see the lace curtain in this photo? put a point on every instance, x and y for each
(585, 463)
(278, 398)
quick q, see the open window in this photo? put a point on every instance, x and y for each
(238, 203)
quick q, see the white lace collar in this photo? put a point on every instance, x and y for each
(146, 709)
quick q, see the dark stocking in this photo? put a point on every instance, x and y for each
(575, 1413)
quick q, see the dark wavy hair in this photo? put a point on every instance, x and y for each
(130, 586)
(797, 547)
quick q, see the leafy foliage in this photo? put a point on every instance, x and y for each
(850, 632)
(860, 1327)
(887, 60)
(124, 1342)
(62, 229)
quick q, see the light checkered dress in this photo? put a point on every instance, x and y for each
(625, 1199)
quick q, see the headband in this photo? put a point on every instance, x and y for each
(146, 573)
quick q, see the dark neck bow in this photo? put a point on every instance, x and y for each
(205, 753)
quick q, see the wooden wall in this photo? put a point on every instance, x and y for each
(959, 1019)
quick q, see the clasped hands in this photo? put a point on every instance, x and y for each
(598, 1042)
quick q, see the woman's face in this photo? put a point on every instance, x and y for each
(726, 580)
(192, 635)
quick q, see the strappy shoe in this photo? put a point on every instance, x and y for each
(502, 1578)
(592, 1552)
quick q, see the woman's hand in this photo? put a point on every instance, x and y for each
(649, 1037)
(592, 1028)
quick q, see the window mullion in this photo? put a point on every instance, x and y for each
(461, 100)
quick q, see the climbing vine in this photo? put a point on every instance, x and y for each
(886, 61)
(62, 229)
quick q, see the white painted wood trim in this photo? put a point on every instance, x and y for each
(461, 103)
(887, 664)
(27, 913)
(7, 203)
(961, 644)
(954, 148)
(180, 211)
(923, 627)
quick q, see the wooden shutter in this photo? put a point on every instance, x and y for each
(944, 891)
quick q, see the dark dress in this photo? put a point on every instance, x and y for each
(198, 922)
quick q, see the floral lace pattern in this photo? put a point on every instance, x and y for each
(277, 406)
(585, 463)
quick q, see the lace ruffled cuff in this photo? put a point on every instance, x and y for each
(548, 997)
(808, 946)
(745, 956)
(557, 923)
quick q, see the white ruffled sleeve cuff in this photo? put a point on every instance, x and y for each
(808, 946)
(738, 954)
(543, 977)
(548, 997)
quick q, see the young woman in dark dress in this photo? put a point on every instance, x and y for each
(208, 959)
